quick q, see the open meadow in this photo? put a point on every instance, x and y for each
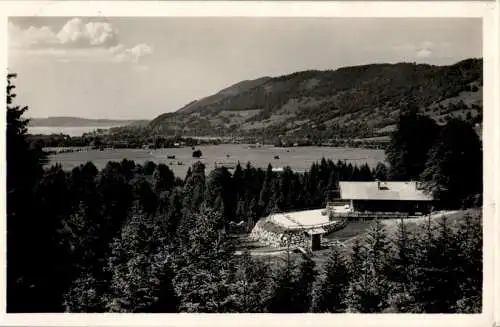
(298, 158)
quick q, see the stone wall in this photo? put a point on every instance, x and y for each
(271, 234)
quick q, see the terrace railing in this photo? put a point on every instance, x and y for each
(369, 215)
(325, 226)
(334, 203)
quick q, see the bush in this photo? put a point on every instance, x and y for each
(197, 154)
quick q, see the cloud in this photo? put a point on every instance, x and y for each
(424, 53)
(134, 54)
(93, 34)
(75, 40)
(424, 49)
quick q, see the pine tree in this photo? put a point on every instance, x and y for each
(30, 240)
(380, 172)
(304, 286)
(251, 281)
(194, 188)
(145, 195)
(369, 287)
(401, 269)
(283, 292)
(174, 214)
(84, 295)
(220, 194)
(458, 146)
(163, 179)
(434, 284)
(407, 151)
(266, 192)
(203, 277)
(470, 238)
(331, 289)
(140, 269)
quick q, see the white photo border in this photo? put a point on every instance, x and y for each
(487, 10)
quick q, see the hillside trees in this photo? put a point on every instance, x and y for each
(132, 238)
(250, 290)
(137, 263)
(470, 266)
(304, 285)
(140, 268)
(163, 179)
(203, 278)
(410, 142)
(331, 289)
(282, 298)
(380, 172)
(457, 146)
(219, 193)
(369, 286)
(363, 96)
(434, 281)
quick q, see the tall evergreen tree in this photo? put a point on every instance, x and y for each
(283, 294)
(140, 269)
(220, 194)
(434, 284)
(202, 279)
(266, 192)
(30, 241)
(401, 269)
(304, 286)
(380, 172)
(470, 238)
(458, 147)
(163, 179)
(369, 287)
(407, 151)
(194, 188)
(330, 291)
(251, 282)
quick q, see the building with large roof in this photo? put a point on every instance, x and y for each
(405, 197)
(356, 200)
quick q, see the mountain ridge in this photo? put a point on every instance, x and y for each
(356, 101)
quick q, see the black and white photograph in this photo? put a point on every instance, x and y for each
(244, 164)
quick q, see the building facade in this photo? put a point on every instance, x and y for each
(395, 197)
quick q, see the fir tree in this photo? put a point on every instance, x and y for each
(458, 146)
(407, 151)
(304, 286)
(369, 287)
(251, 281)
(331, 289)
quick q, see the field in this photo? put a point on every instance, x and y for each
(298, 158)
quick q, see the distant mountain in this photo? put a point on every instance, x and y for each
(350, 102)
(82, 122)
(225, 93)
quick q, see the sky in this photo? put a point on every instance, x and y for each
(139, 68)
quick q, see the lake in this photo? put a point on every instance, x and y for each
(298, 158)
(68, 130)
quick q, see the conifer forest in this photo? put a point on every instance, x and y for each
(136, 238)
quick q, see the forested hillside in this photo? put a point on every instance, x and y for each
(350, 102)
